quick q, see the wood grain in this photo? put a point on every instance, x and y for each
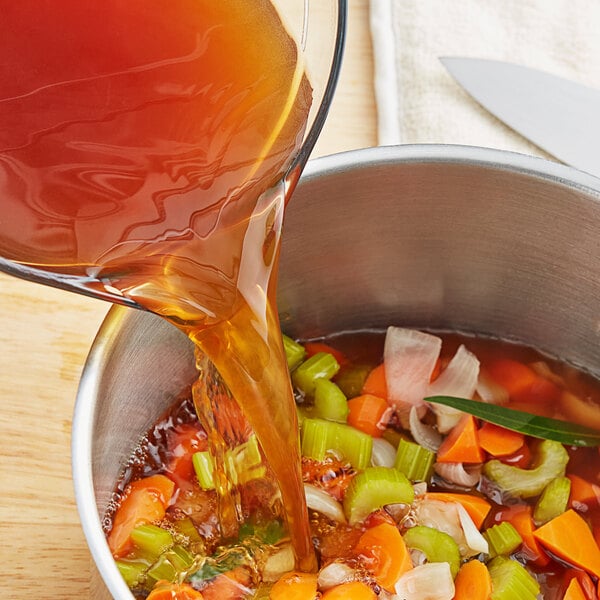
(45, 335)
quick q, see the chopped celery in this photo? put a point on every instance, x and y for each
(131, 570)
(502, 538)
(511, 581)
(374, 488)
(320, 437)
(330, 402)
(151, 540)
(170, 564)
(203, 466)
(351, 379)
(294, 352)
(414, 461)
(436, 545)
(550, 462)
(187, 528)
(319, 365)
(553, 501)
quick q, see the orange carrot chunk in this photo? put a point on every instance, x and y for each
(569, 537)
(473, 582)
(476, 507)
(515, 377)
(231, 585)
(574, 591)
(354, 590)
(313, 348)
(384, 554)
(520, 517)
(583, 492)
(295, 586)
(369, 413)
(376, 383)
(462, 444)
(164, 590)
(499, 441)
(145, 501)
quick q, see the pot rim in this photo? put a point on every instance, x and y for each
(86, 399)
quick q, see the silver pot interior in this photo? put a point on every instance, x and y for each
(432, 237)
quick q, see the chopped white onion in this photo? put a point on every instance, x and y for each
(322, 502)
(409, 357)
(475, 541)
(424, 435)
(420, 488)
(431, 581)
(468, 476)
(458, 379)
(383, 453)
(279, 563)
(334, 574)
(490, 391)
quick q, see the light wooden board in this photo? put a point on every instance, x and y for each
(45, 335)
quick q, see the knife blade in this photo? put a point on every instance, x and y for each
(560, 116)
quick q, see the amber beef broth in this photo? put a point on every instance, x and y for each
(168, 447)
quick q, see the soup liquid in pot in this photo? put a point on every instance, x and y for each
(143, 150)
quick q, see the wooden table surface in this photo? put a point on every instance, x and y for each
(45, 335)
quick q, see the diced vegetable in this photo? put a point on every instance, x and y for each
(354, 590)
(574, 591)
(477, 507)
(431, 581)
(384, 454)
(131, 570)
(376, 383)
(499, 441)
(583, 492)
(369, 413)
(320, 437)
(230, 585)
(295, 586)
(151, 540)
(414, 461)
(313, 348)
(352, 379)
(203, 466)
(520, 517)
(170, 564)
(550, 462)
(511, 581)
(473, 582)
(320, 365)
(569, 537)
(461, 445)
(294, 352)
(165, 590)
(374, 488)
(502, 538)
(320, 501)
(553, 501)
(145, 501)
(330, 402)
(436, 545)
(384, 554)
(513, 376)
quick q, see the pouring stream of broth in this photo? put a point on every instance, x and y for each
(143, 150)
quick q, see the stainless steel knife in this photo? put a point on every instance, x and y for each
(560, 116)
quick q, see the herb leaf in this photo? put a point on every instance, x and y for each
(546, 428)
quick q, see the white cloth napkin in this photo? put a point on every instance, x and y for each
(419, 102)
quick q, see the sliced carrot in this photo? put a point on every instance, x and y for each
(569, 537)
(354, 590)
(376, 383)
(384, 554)
(519, 516)
(461, 445)
(295, 586)
(232, 585)
(316, 347)
(574, 591)
(473, 582)
(369, 413)
(164, 590)
(437, 369)
(145, 501)
(476, 507)
(499, 441)
(583, 492)
(584, 581)
(521, 458)
(522, 382)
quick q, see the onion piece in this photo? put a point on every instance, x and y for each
(458, 379)
(431, 581)
(490, 391)
(409, 358)
(475, 541)
(457, 473)
(424, 435)
(383, 453)
(322, 502)
(334, 574)
(279, 563)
